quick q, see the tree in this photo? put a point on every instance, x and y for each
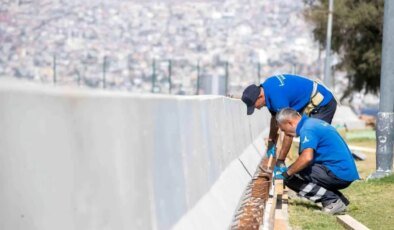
(357, 34)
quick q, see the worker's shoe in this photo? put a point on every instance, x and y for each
(335, 208)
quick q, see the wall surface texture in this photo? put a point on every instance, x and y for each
(89, 160)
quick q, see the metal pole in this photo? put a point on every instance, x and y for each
(79, 77)
(153, 75)
(385, 119)
(129, 67)
(293, 68)
(227, 77)
(84, 73)
(54, 69)
(327, 66)
(104, 70)
(169, 76)
(198, 78)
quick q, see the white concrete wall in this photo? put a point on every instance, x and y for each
(88, 160)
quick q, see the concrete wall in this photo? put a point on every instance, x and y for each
(81, 159)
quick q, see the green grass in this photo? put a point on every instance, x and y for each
(305, 215)
(371, 202)
(365, 168)
(361, 135)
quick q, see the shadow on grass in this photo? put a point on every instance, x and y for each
(304, 203)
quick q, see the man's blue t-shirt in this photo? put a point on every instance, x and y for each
(329, 148)
(286, 90)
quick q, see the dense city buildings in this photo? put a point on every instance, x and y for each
(125, 42)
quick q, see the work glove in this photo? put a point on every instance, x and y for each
(271, 149)
(286, 177)
(279, 171)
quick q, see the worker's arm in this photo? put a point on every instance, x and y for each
(272, 138)
(273, 135)
(286, 144)
(305, 158)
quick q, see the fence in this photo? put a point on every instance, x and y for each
(166, 76)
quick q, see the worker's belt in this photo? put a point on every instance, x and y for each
(315, 100)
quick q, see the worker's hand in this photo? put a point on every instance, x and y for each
(286, 177)
(279, 171)
(280, 163)
(271, 149)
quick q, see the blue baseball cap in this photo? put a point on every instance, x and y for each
(249, 97)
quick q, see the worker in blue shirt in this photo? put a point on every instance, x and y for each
(286, 90)
(325, 163)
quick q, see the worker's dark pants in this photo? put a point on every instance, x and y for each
(319, 184)
(326, 112)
